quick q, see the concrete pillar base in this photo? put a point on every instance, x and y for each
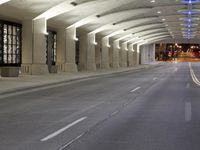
(116, 65)
(39, 69)
(124, 65)
(91, 67)
(130, 65)
(105, 66)
(81, 67)
(9, 71)
(60, 67)
(26, 69)
(70, 67)
(34, 69)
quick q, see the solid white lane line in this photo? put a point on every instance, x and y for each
(72, 141)
(62, 130)
(194, 78)
(114, 113)
(135, 89)
(188, 111)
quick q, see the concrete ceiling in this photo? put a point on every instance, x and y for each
(146, 19)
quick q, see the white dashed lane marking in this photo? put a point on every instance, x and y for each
(62, 130)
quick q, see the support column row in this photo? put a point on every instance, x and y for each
(35, 56)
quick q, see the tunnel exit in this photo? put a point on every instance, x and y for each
(178, 52)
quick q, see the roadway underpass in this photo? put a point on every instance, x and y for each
(154, 108)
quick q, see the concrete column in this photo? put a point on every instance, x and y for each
(124, 54)
(130, 55)
(120, 56)
(39, 65)
(152, 52)
(70, 52)
(98, 52)
(116, 48)
(27, 47)
(136, 54)
(111, 55)
(91, 42)
(105, 53)
(83, 51)
(60, 62)
(142, 55)
(145, 54)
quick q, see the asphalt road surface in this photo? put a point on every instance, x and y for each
(152, 109)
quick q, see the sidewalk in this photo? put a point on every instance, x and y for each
(23, 82)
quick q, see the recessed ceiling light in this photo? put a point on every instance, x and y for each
(163, 19)
(153, 1)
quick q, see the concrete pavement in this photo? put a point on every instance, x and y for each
(50, 119)
(150, 109)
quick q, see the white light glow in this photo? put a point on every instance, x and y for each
(138, 41)
(108, 42)
(115, 33)
(132, 49)
(56, 10)
(45, 28)
(108, 45)
(159, 12)
(75, 38)
(98, 30)
(135, 38)
(95, 43)
(125, 45)
(126, 36)
(83, 22)
(117, 44)
(144, 43)
(3, 1)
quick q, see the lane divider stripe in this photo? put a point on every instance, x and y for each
(135, 89)
(62, 130)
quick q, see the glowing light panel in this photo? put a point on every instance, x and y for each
(3, 1)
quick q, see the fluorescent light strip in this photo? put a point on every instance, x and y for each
(3, 1)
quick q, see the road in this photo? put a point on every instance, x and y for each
(151, 109)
